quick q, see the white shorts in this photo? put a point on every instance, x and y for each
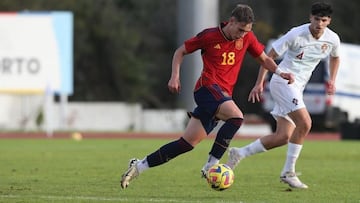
(287, 98)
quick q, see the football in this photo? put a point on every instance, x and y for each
(220, 177)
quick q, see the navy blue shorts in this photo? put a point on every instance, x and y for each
(208, 100)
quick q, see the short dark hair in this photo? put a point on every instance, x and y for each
(243, 13)
(321, 9)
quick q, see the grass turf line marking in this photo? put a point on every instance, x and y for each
(89, 198)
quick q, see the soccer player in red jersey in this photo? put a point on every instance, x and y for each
(222, 49)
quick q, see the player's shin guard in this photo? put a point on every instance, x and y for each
(168, 152)
(224, 136)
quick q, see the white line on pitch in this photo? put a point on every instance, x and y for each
(90, 198)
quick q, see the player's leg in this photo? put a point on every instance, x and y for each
(194, 133)
(303, 124)
(284, 130)
(233, 118)
(279, 138)
(291, 105)
(302, 120)
(283, 95)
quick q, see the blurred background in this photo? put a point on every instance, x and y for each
(122, 52)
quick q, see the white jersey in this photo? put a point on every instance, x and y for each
(302, 52)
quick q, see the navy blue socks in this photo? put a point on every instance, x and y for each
(168, 151)
(224, 136)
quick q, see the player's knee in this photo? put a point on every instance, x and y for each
(282, 138)
(304, 127)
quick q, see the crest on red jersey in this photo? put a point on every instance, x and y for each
(239, 44)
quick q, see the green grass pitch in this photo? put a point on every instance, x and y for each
(64, 170)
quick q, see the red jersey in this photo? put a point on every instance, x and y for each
(222, 58)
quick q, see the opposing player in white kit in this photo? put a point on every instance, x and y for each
(302, 47)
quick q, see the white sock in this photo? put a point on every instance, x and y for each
(293, 153)
(252, 148)
(211, 161)
(142, 165)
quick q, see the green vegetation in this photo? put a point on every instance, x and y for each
(123, 48)
(64, 170)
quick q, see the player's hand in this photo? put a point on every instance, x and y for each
(255, 94)
(288, 76)
(330, 87)
(174, 85)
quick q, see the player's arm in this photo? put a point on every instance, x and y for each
(174, 82)
(267, 63)
(263, 71)
(334, 66)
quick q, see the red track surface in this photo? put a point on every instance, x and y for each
(92, 135)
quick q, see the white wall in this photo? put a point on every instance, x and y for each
(21, 112)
